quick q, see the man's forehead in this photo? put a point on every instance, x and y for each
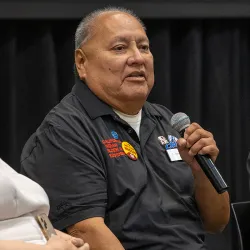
(110, 27)
(116, 16)
(114, 21)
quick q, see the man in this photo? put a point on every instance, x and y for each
(101, 153)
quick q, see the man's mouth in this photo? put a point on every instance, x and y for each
(136, 75)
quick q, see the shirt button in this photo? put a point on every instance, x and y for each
(130, 130)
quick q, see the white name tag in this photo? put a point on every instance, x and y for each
(174, 154)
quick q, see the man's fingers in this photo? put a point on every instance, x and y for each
(181, 144)
(210, 150)
(189, 130)
(202, 143)
(197, 135)
(206, 145)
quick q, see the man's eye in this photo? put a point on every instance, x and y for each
(144, 47)
(119, 48)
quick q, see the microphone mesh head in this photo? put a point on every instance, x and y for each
(180, 121)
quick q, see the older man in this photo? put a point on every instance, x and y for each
(101, 154)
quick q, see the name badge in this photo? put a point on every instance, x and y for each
(171, 149)
(174, 154)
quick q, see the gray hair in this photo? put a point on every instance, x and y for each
(84, 29)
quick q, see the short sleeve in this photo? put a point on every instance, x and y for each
(66, 165)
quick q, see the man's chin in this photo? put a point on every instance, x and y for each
(137, 96)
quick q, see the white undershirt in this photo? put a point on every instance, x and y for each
(133, 120)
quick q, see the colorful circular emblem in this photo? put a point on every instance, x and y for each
(114, 134)
(129, 151)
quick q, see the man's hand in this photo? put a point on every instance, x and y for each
(197, 141)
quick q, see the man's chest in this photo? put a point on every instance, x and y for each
(133, 163)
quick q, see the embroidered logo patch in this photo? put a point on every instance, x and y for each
(114, 134)
(162, 140)
(172, 142)
(113, 147)
(129, 151)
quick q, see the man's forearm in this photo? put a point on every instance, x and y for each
(98, 236)
(214, 208)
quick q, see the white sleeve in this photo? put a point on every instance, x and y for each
(19, 194)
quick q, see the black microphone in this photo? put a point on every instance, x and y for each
(180, 121)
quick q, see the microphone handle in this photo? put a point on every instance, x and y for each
(212, 173)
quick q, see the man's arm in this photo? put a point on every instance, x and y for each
(96, 233)
(214, 208)
(79, 190)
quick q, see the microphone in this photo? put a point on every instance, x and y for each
(180, 121)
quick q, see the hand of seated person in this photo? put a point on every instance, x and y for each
(66, 243)
(75, 241)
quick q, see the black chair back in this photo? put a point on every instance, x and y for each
(240, 212)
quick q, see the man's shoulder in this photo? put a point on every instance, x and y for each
(66, 113)
(65, 121)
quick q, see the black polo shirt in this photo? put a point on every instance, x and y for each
(91, 163)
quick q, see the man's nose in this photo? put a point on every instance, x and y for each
(136, 57)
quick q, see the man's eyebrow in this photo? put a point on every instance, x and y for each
(126, 39)
(120, 39)
(142, 39)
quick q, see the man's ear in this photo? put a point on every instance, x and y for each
(80, 62)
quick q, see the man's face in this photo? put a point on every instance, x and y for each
(118, 64)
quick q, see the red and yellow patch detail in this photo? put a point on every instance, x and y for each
(116, 148)
(113, 147)
(129, 151)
